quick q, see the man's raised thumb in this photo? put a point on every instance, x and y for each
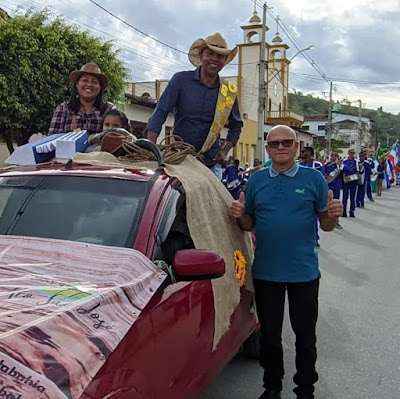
(330, 195)
(241, 197)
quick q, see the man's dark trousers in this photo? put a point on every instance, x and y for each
(349, 189)
(360, 194)
(335, 189)
(303, 312)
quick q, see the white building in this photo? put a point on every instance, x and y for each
(350, 130)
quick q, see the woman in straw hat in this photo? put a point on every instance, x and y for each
(86, 106)
(192, 97)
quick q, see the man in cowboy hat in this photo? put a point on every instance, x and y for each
(193, 97)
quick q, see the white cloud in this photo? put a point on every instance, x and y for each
(354, 39)
(338, 12)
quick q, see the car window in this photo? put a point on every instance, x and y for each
(87, 209)
(173, 233)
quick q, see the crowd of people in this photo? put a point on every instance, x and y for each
(351, 178)
(283, 203)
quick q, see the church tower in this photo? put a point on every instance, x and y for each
(276, 75)
(277, 78)
(249, 58)
(276, 107)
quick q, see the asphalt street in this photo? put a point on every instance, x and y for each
(359, 315)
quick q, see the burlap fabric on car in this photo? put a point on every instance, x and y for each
(211, 228)
(209, 224)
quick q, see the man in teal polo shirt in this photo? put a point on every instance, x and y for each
(281, 203)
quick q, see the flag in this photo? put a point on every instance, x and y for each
(393, 156)
(379, 153)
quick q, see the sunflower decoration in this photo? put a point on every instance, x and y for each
(240, 266)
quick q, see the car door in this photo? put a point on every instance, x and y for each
(184, 315)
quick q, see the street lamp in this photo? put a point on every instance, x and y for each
(289, 61)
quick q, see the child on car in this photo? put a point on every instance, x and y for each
(112, 118)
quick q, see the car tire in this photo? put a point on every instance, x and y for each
(251, 347)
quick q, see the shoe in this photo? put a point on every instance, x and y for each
(338, 226)
(270, 394)
(358, 205)
(352, 215)
(371, 200)
(306, 396)
(318, 244)
(344, 215)
(362, 206)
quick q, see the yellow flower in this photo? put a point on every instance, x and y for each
(240, 266)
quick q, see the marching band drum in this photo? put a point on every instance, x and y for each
(332, 176)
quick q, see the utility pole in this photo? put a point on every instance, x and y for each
(360, 130)
(329, 132)
(261, 90)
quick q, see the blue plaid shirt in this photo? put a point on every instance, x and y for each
(193, 105)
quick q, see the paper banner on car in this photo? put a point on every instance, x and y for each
(64, 307)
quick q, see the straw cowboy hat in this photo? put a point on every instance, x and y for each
(215, 43)
(92, 69)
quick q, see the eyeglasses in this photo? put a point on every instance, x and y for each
(285, 143)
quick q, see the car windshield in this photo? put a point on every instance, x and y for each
(86, 209)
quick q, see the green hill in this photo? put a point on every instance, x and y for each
(385, 126)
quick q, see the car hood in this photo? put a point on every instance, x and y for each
(64, 307)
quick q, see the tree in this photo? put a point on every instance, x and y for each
(335, 144)
(37, 57)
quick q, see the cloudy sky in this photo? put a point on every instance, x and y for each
(356, 41)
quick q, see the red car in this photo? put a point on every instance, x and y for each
(167, 353)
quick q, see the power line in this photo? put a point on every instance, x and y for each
(137, 29)
(149, 36)
(153, 62)
(173, 60)
(348, 80)
(8, 8)
(293, 40)
(150, 57)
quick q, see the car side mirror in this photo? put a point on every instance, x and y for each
(198, 264)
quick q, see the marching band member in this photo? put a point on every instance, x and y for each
(232, 174)
(365, 167)
(333, 177)
(350, 178)
(307, 154)
(368, 173)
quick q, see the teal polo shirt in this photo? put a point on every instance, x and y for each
(284, 206)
